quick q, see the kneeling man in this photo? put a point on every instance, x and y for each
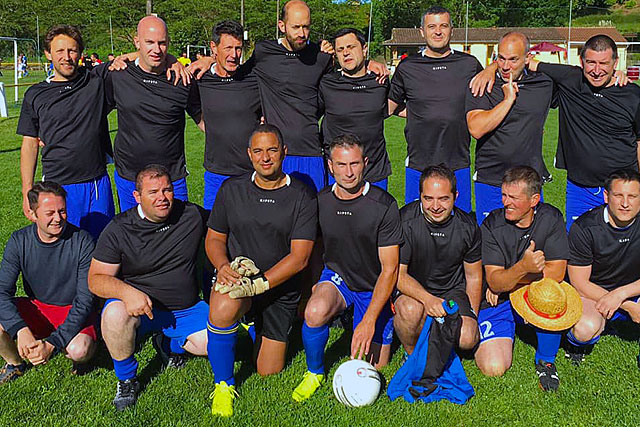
(145, 265)
(439, 260)
(56, 315)
(361, 231)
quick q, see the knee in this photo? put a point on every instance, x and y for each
(197, 343)
(317, 313)
(223, 311)
(494, 367)
(115, 318)
(588, 328)
(408, 311)
(469, 337)
(81, 349)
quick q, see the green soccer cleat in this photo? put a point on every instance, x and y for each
(309, 384)
(223, 396)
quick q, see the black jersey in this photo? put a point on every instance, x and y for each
(357, 106)
(434, 90)
(353, 230)
(71, 119)
(517, 140)
(598, 127)
(612, 253)
(435, 253)
(289, 92)
(504, 244)
(231, 111)
(158, 259)
(151, 120)
(259, 223)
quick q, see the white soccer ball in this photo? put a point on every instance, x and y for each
(356, 383)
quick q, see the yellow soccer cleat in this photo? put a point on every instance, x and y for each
(223, 396)
(310, 383)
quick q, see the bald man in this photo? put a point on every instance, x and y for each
(508, 122)
(151, 117)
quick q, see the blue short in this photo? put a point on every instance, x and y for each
(125, 190)
(463, 181)
(309, 170)
(90, 204)
(581, 199)
(497, 322)
(489, 198)
(383, 183)
(360, 301)
(212, 183)
(176, 324)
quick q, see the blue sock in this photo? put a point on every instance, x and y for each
(175, 347)
(314, 341)
(251, 330)
(548, 345)
(126, 369)
(573, 340)
(221, 351)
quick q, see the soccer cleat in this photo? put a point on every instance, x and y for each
(547, 376)
(12, 372)
(169, 360)
(223, 396)
(576, 354)
(126, 394)
(309, 384)
(80, 369)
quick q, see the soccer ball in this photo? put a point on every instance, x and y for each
(356, 383)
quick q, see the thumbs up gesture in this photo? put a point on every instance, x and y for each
(532, 260)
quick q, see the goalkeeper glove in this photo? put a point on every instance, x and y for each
(244, 266)
(249, 287)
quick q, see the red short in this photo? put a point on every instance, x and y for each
(43, 318)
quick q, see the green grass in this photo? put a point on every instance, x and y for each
(602, 392)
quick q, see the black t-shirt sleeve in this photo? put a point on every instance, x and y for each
(559, 73)
(194, 109)
(477, 102)
(397, 91)
(491, 253)
(580, 246)
(306, 223)
(405, 249)
(479, 66)
(557, 246)
(636, 123)
(390, 231)
(28, 124)
(320, 100)
(474, 253)
(107, 249)
(218, 220)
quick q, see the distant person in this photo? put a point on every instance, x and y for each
(111, 57)
(184, 59)
(95, 59)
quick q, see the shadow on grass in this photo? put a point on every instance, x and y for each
(10, 150)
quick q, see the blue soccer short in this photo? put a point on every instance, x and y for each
(489, 198)
(309, 170)
(125, 188)
(463, 183)
(176, 324)
(497, 322)
(581, 199)
(90, 204)
(360, 302)
(212, 183)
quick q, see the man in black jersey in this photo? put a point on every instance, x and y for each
(508, 123)
(433, 83)
(521, 243)
(145, 265)
(231, 109)
(355, 103)
(53, 257)
(604, 249)
(151, 115)
(439, 260)
(271, 218)
(68, 114)
(361, 232)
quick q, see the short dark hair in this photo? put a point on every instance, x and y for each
(439, 171)
(622, 174)
(267, 128)
(232, 28)
(44, 187)
(152, 171)
(355, 32)
(600, 43)
(67, 30)
(96, 55)
(525, 174)
(435, 10)
(111, 54)
(346, 140)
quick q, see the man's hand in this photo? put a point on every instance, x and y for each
(25, 341)
(492, 298)
(532, 260)
(181, 73)
(244, 266)
(433, 306)
(510, 89)
(484, 80)
(361, 340)
(119, 63)
(249, 287)
(633, 309)
(40, 351)
(379, 70)
(326, 47)
(621, 78)
(227, 277)
(609, 303)
(137, 303)
(26, 209)
(200, 67)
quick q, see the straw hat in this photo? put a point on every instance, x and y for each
(548, 304)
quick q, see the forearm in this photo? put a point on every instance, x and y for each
(217, 252)
(28, 161)
(381, 294)
(105, 286)
(629, 292)
(533, 65)
(411, 287)
(474, 292)
(286, 268)
(589, 290)
(481, 122)
(505, 280)
(75, 321)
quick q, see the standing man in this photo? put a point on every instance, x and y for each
(361, 231)
(508, 123)
(231, 110)
(56, 315)
(440, 260)
(145, 266)
(521, 243)
(151, 115)
(355, 103)
(68, 114)
(270, 218)
(604, 247)
(434, 84)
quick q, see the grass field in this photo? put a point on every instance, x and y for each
(601, 392)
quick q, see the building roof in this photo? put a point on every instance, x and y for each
(412, 36)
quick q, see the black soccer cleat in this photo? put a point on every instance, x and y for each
(169, 360)
(126, 394)
(10, 373)
(576, 354)
(547, 376)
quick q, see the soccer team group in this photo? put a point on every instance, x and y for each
(289, 203)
